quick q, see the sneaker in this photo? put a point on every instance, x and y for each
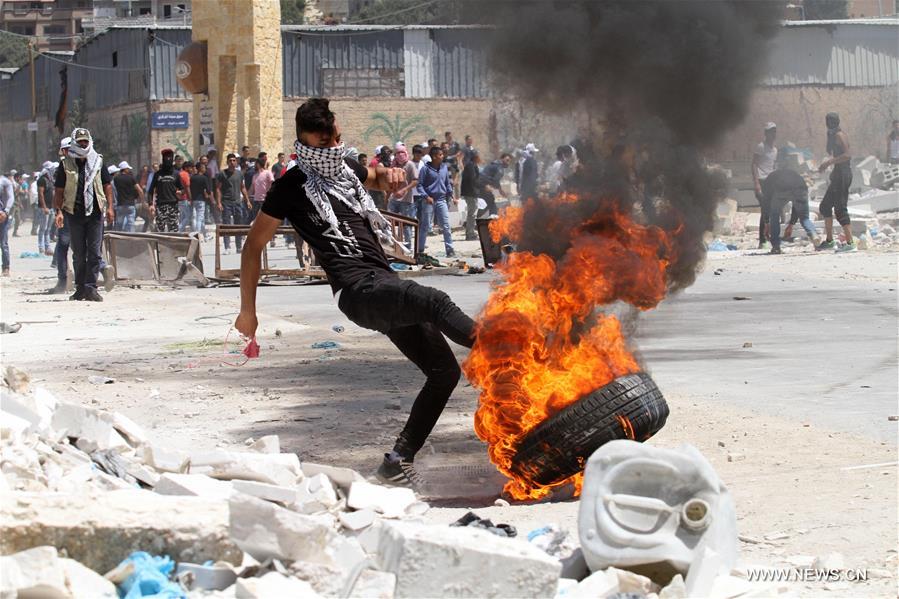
(776, 251)
(764, 245)
(59, 289)
(108, 273)
(78, 296)
(5, 273)
(826, 245)
(92, 295)
(397, 472)
(847, 247)
(451, 254)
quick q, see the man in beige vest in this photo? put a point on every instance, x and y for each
(80, 199)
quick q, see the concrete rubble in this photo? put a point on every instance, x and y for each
(81, 489)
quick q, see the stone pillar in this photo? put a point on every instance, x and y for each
(244, 72)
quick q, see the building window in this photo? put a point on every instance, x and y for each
(362, 82)
(78, 27)
(54, 29)
(145, 10)
(23, 30)
(167, 11)
(115, 59)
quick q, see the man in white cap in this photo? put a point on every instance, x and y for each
(764, 162)
(83, 197)
(526, 173)
(128, 193)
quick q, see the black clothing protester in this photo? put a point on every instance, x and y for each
(126, 193)
(371, 295)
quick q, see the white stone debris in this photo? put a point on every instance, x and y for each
(273, 468)
(198, 485)
(266, 444)
(372, 584)
(390, 502)
(272, 585)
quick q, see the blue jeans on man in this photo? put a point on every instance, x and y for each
(43, 231)
(800, 209)
(198, 207)
(4, 243)
(441, 214)
(124, 218)
(233, 214)
(425, 213)
(61, 252)
(185, 214)
(406, 209)
(86, 235)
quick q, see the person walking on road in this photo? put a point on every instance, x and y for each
(782, 186)
(128, 194)
(836, 198)
(764, 161)
(7, 200)
(327, 202)
(163, 195)
(83, 196)
(231, 197)
(435, 184)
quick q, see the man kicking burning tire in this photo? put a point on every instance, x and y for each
(325, 199)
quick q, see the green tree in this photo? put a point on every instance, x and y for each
(292, 12)
(411, 12)
(397, 128)
(13, 51)
(826, 9)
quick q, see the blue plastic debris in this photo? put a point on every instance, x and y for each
(325, 345)
(717, 246)
(399, 266)
(29, 255)
(150, 578)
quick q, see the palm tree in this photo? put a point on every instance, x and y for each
(397, 128)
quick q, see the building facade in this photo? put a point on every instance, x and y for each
(58, 24)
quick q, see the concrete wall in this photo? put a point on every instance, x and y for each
(865, 114)
(431, 117)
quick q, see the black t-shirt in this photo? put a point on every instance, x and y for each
(470, 173)
(165, 186)
(198, 184)
(787, 182)
(45, 188)
(344, 262)
(126, 194)
(229, 183)
(105, 179)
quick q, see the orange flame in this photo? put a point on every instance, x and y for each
(542, 342)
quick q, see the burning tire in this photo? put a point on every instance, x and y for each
(629, 407)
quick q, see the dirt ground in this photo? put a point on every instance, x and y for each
(800, 489)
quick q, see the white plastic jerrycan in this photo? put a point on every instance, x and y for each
(644, 505)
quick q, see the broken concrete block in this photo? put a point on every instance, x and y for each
(198, 485)
(831, 561)
(35, 573)
(93, 431)
(315, 495)
(391, 502)
(630, 582)
(97, 529)
(266, 444)
(164, 459)
(372, 584)
(144, 474)
(602, 583)
(12, 427)
(273, 468)
(129, 429)
(216, 577)
(37, 408)
(342, 477)
(285, 495)
(272, 585)
(265, 530)
(356, 520)
(463, 562)
(81, 581)
(17, 380)
(676, 589)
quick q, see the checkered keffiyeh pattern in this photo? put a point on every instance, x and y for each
(328, 175)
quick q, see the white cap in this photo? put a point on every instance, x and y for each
(531, 148)
(123, 165)
(769, 125)
(56, 164)
(26, 176)
(399, 146)
(113, 169)
(13, 172)
(47, 164)
(378, 149)
(64, 143)
(211, 149)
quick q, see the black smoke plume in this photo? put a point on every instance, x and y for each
(666, 79)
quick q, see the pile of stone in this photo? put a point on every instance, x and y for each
(82, 488)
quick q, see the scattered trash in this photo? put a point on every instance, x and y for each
(145, 575)
(893, 418)
(718, 271)
(278, 333)
(502, 530)
(30, 255)
(551, 539)
(718, 246)
(325, 345)
(100, 380)
(476, 270)
(337, 328)
(741, 298)
(747, 344)
(6, 329)
(399, 267)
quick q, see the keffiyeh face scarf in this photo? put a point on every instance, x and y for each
(328, 175)
(94, 164)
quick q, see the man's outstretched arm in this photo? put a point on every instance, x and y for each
(385, 179)
(263, 229)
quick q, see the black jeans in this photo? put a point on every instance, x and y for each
(415, 318)
(836, 197)
(85, 235)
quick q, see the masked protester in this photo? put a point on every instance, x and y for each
(836, 197)
(82, 198)
(163, 193)
(326, 200)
